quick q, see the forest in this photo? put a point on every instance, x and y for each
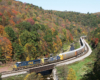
(29, 32)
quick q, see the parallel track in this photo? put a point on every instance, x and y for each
(11, 72)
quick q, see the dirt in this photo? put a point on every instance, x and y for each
(7, 67)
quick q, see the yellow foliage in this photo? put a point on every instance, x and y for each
(27, 76)
(8, 57)
(38, 18)
(27, 58)
(19, 42)
(71, 74)
(36, 22)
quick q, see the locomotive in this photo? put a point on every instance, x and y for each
(61, 56)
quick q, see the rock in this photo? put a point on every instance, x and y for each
(0, 63)
(48, 78)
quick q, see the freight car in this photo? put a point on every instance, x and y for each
(73, 53)
(61, 56)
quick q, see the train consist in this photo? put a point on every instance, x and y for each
(61, 56)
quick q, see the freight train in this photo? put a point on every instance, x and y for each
(61, 56)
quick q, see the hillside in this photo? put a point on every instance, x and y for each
(30, 32)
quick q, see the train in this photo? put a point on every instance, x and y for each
(59, 57)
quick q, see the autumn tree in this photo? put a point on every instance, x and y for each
(30, 50)
(34, 76)
(71, 74)
(1, 18)
(4, 21)
(42, 47)
(31, 76)
(39, 77)
(31, 21)
(1, 14)
(6, 47)
(1, 30)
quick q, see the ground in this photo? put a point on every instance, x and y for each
(6, 67)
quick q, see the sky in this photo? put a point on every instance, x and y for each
(82, 6)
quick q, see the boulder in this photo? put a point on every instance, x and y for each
(0, 63)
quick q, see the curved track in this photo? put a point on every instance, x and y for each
(68, 61)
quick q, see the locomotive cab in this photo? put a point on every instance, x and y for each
(17, 64)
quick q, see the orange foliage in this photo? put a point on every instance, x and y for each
(59, 42)
(53, 30)
(3, 20)
(9, 14)
(12, 22)
(55, 47)
(6, 47)
(14, 11)
(71, 37)
(1, 30)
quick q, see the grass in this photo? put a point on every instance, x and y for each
(17, 77)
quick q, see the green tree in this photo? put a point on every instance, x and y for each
(48, 36)
(24, 26)
(79, 30)
(62, 72)
(27, 37)
(35, 27)
(11, 33)
(18, 51)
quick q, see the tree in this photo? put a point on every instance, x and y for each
(11, 33)
(62, 72)
(31, 21)
(34, 76)
(24, 26)
(71, 74)
(1, 30)
(35, 27)
(27, 37)
(30, 50)
(1, 14)
(6, 47)
(48, 36)
(31, 76)
(18, 51)
(39, 77)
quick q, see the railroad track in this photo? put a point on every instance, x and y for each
(63, 61)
